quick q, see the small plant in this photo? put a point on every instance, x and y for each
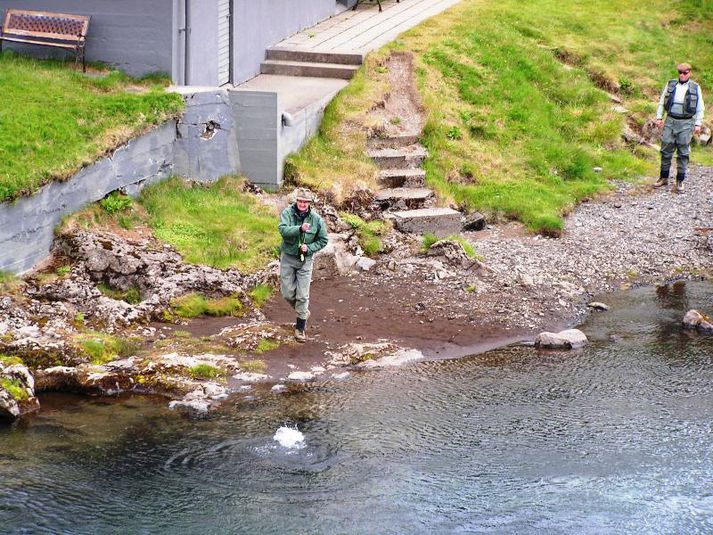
(182, 334)
(395, 121)
(14, 388)
(369, 232)
(253, 366)
(205, 371)
(260, 294)
(116, 202)
(266, 344)
(8, 360)
(626, 86)
(382, 69)
(472, 288)
(63, 270)
(79, 319)
(454, 133)
(429, 240)
(194, 305)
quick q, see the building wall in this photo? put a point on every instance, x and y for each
(258, 25)
(133, 35)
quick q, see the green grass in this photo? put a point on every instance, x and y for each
(205, 371)
(9, 360)
(14, 388)
(194, 305)
(102, 348)
(253, 366)
(217, 225)
(516, 120)
(55, 119)
(266, 344)
(260, 294)
(369, 232)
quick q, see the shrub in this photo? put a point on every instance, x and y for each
(116, 202)
(205, 371)
(14, 388)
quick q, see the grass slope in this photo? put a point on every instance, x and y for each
(54, 119)
(217, 225)
(517, 118)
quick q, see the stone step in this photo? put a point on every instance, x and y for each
(441, 222)
(310, 56)
(402, 178)
(393, 142)
(410, 198)
(403, 158)
(302, 68)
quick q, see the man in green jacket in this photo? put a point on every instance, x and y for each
(303, 233)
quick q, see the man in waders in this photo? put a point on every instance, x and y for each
(682, 101)
(303, 234)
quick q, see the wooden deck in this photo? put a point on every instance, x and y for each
(365, 29)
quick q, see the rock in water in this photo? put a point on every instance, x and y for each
(569, 339)
(692, 319)
(17, 392)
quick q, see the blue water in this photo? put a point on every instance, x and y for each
(615, 438)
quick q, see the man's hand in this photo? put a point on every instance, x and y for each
(659, 123)
(697, 130)
(303, 247)
(304, 227)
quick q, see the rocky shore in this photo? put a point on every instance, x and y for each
(60, 331)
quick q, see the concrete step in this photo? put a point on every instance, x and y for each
(309, 56)
(302, 68)
(393, 142)
(403, 158)
(441, 222)
(403, 198)
(402, 178)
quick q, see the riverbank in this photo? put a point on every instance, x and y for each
(408, 305)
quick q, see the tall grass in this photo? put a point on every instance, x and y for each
(54, 119)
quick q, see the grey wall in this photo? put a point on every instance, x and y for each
(134, 35)
(260, 24)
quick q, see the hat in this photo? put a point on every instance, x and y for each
(303, 194)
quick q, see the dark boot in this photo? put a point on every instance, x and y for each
(300, 326)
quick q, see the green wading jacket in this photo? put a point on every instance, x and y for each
(289, 227)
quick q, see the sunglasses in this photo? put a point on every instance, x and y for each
(683, 72)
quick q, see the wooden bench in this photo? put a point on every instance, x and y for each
(377, 1)
(44, 28)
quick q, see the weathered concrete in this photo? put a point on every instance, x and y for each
(440, 222)
(402, 178)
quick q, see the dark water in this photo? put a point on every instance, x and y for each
(616, 438)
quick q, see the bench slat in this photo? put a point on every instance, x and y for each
(30, 42)
(43, 35)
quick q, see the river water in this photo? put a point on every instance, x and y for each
(615, 438)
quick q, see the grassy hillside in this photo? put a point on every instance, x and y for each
(54, 119)
(517, 100)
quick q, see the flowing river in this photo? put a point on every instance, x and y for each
(614, 438)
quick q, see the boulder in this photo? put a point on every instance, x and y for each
(17, 392)
(596, 305)
(451, 250)
(568, 339)
(692, 319)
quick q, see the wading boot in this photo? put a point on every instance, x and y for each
(300, 326)
(678, 188)
(661, 182)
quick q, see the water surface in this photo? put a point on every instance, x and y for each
(615, 438)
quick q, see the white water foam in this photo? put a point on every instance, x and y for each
(289, 437)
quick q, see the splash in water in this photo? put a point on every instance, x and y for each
(289, 437)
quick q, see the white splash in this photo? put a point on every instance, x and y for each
(289, 437)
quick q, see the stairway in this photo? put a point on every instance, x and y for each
(404, 196)
(294, 62)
